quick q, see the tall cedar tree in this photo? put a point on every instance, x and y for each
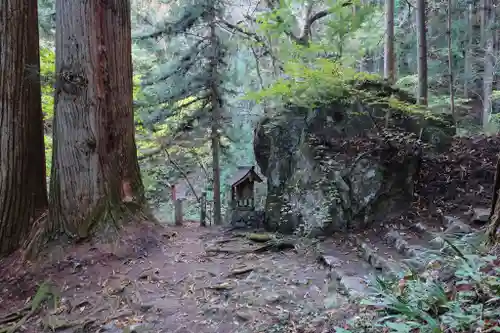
(421, 18)
(95, 173)
(192, 83)
(23, 191)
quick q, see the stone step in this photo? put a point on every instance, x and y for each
(408, 243)
(418, 248)
(480, 216)
(383, 258)
(452, 227)
(466, 234)
(353, 286)
(391, 252)
(348, 274)
(427, 242)
(429, 233)
(456, 226)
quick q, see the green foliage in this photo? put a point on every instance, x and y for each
(48, 153)
(423, 303)
(437, 102)
(307, 86)
(327, 82)
(495, 95)
(172, 51)
(311, 80)
(185, 79)
(47, 72)
(344, 26)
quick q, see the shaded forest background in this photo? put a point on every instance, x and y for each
(349, 108)
(262, 37)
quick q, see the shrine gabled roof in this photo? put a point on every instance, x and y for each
(243, 173)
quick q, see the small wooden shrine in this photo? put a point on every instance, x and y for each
(242, 188)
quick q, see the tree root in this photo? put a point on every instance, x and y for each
(44, 293)
(13, 328)
(13, 316)
(494, 219)
(36, 237)
(273, 245)
(17, 319)
(223, 241)
(279, 245)
(260, 238)
(55, 323)
(240, 271)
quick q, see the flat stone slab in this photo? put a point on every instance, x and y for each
(480, 215)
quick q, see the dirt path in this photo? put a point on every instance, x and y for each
(205, 280)
(179, 286)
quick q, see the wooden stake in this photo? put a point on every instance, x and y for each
(178, 212)
(203, 209)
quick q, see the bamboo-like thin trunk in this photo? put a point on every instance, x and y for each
(450, 63)
(216, 101)
(422, 52)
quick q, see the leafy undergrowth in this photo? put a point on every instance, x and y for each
(458, 293)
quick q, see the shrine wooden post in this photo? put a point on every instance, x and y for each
(203, 209)
(177, 207)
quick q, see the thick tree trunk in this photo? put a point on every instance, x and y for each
(95, 172)
(118, 38)
(23, 191)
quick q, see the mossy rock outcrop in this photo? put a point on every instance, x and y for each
(337, 166)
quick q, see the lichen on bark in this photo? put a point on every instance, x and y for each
(95, 180)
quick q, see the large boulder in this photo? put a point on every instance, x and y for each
(336, 166)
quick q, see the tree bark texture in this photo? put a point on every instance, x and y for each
(422, 51)
(495, 207)
(389, 56)
(488, 64)
(451, 86)
(23, 190)
(118, 38)
(216, 102)
(95, 172)
(468, 50)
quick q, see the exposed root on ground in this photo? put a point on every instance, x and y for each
(120, 299)
(36, 238)
(15, 320)
(128, 287)
(270, 244)
(15, 315)
(110, 229)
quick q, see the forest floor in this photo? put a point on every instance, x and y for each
(174, 279)
(211, 280)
